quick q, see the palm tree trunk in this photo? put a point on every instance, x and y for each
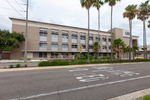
(144, 37)
(98, 31)
(131, 38)
(145, 43)
(111, 34)
(118, 55)
(130, 41)
(88, 27)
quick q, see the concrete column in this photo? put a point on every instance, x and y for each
(101, 44)
(60, 40)
(107, 44)
(78, 41)
(49, 40)
(86, 41)
(48, 56)
(94, 38)
(70, 41)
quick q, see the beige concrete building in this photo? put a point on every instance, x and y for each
(52, 41)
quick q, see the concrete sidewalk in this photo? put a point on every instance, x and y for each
(133, 96)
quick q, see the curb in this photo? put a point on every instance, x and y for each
(133, 96)
(71, 66)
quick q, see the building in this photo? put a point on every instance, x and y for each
(52, 41)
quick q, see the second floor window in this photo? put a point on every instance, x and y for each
(90, 47)
(104, 39)
(74, 46)
(64, 46)
(43, 34)
(90, 38)
(54, 36)
(54, 46)
(83, 47)
(82, 38)
(104, 47)
(65, 36)
(74, 37)
(43, 45)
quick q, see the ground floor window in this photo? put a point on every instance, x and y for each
(65, 55)
(54, 55)
(105, 54)
(42, 54)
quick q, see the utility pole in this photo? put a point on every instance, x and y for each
(25, 52)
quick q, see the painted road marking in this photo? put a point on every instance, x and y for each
(79, 69)
(80, 88)
(90, 78)
(121, 73)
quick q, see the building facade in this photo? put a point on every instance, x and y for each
(52, 41)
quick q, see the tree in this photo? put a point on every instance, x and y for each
(135, 49)
(87, 4)
(143, 14)
(98, 4)
(131, 11)
(8, 39)
(111, 4)
(95, 47)
(118, 46)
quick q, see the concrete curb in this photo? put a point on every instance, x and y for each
(71, 66)
(133, 96)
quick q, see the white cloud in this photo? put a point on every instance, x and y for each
(70, 13)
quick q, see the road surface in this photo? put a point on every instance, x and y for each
(85, 83)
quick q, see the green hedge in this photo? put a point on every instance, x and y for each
(76, 62)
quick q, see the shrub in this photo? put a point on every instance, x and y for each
(76, 55)
(26, 65)
(11, 66)
(96, 57)
(59, 62)
(18, 65)
(44, 63)
(86, 56)
(5, 67)
(28, 59)
(91, 58)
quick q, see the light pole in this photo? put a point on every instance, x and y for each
(25, 52)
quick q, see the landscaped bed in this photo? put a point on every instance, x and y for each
(79, 62)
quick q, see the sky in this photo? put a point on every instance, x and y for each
(70, 13)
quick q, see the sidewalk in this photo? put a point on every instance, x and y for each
(133, 96)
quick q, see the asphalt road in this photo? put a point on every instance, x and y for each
(2, 65)
(86, 83)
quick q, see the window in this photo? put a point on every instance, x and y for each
(83, 47)
(96, 39)
(43, 45)
(54, 55)
(109, 39)
(90, 38)
(74, 37)
(54, 35)
(104, 39)
(90, 47)
(104, 47)
(43, 34)
(65, 36)
(54, 45)
(64, 46)
(42, 54)
(105, 54)
(82, 38)
(74, 46)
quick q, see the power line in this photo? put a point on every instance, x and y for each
(15, 2)
(11, 9)
(14, 8)
(19, 4)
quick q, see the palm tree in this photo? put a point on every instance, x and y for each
(118, 46)
(95, 47)
(131, 11)
(144, 11)
(98, 4)
(135, 49)
(111, 3)
(87, 4)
